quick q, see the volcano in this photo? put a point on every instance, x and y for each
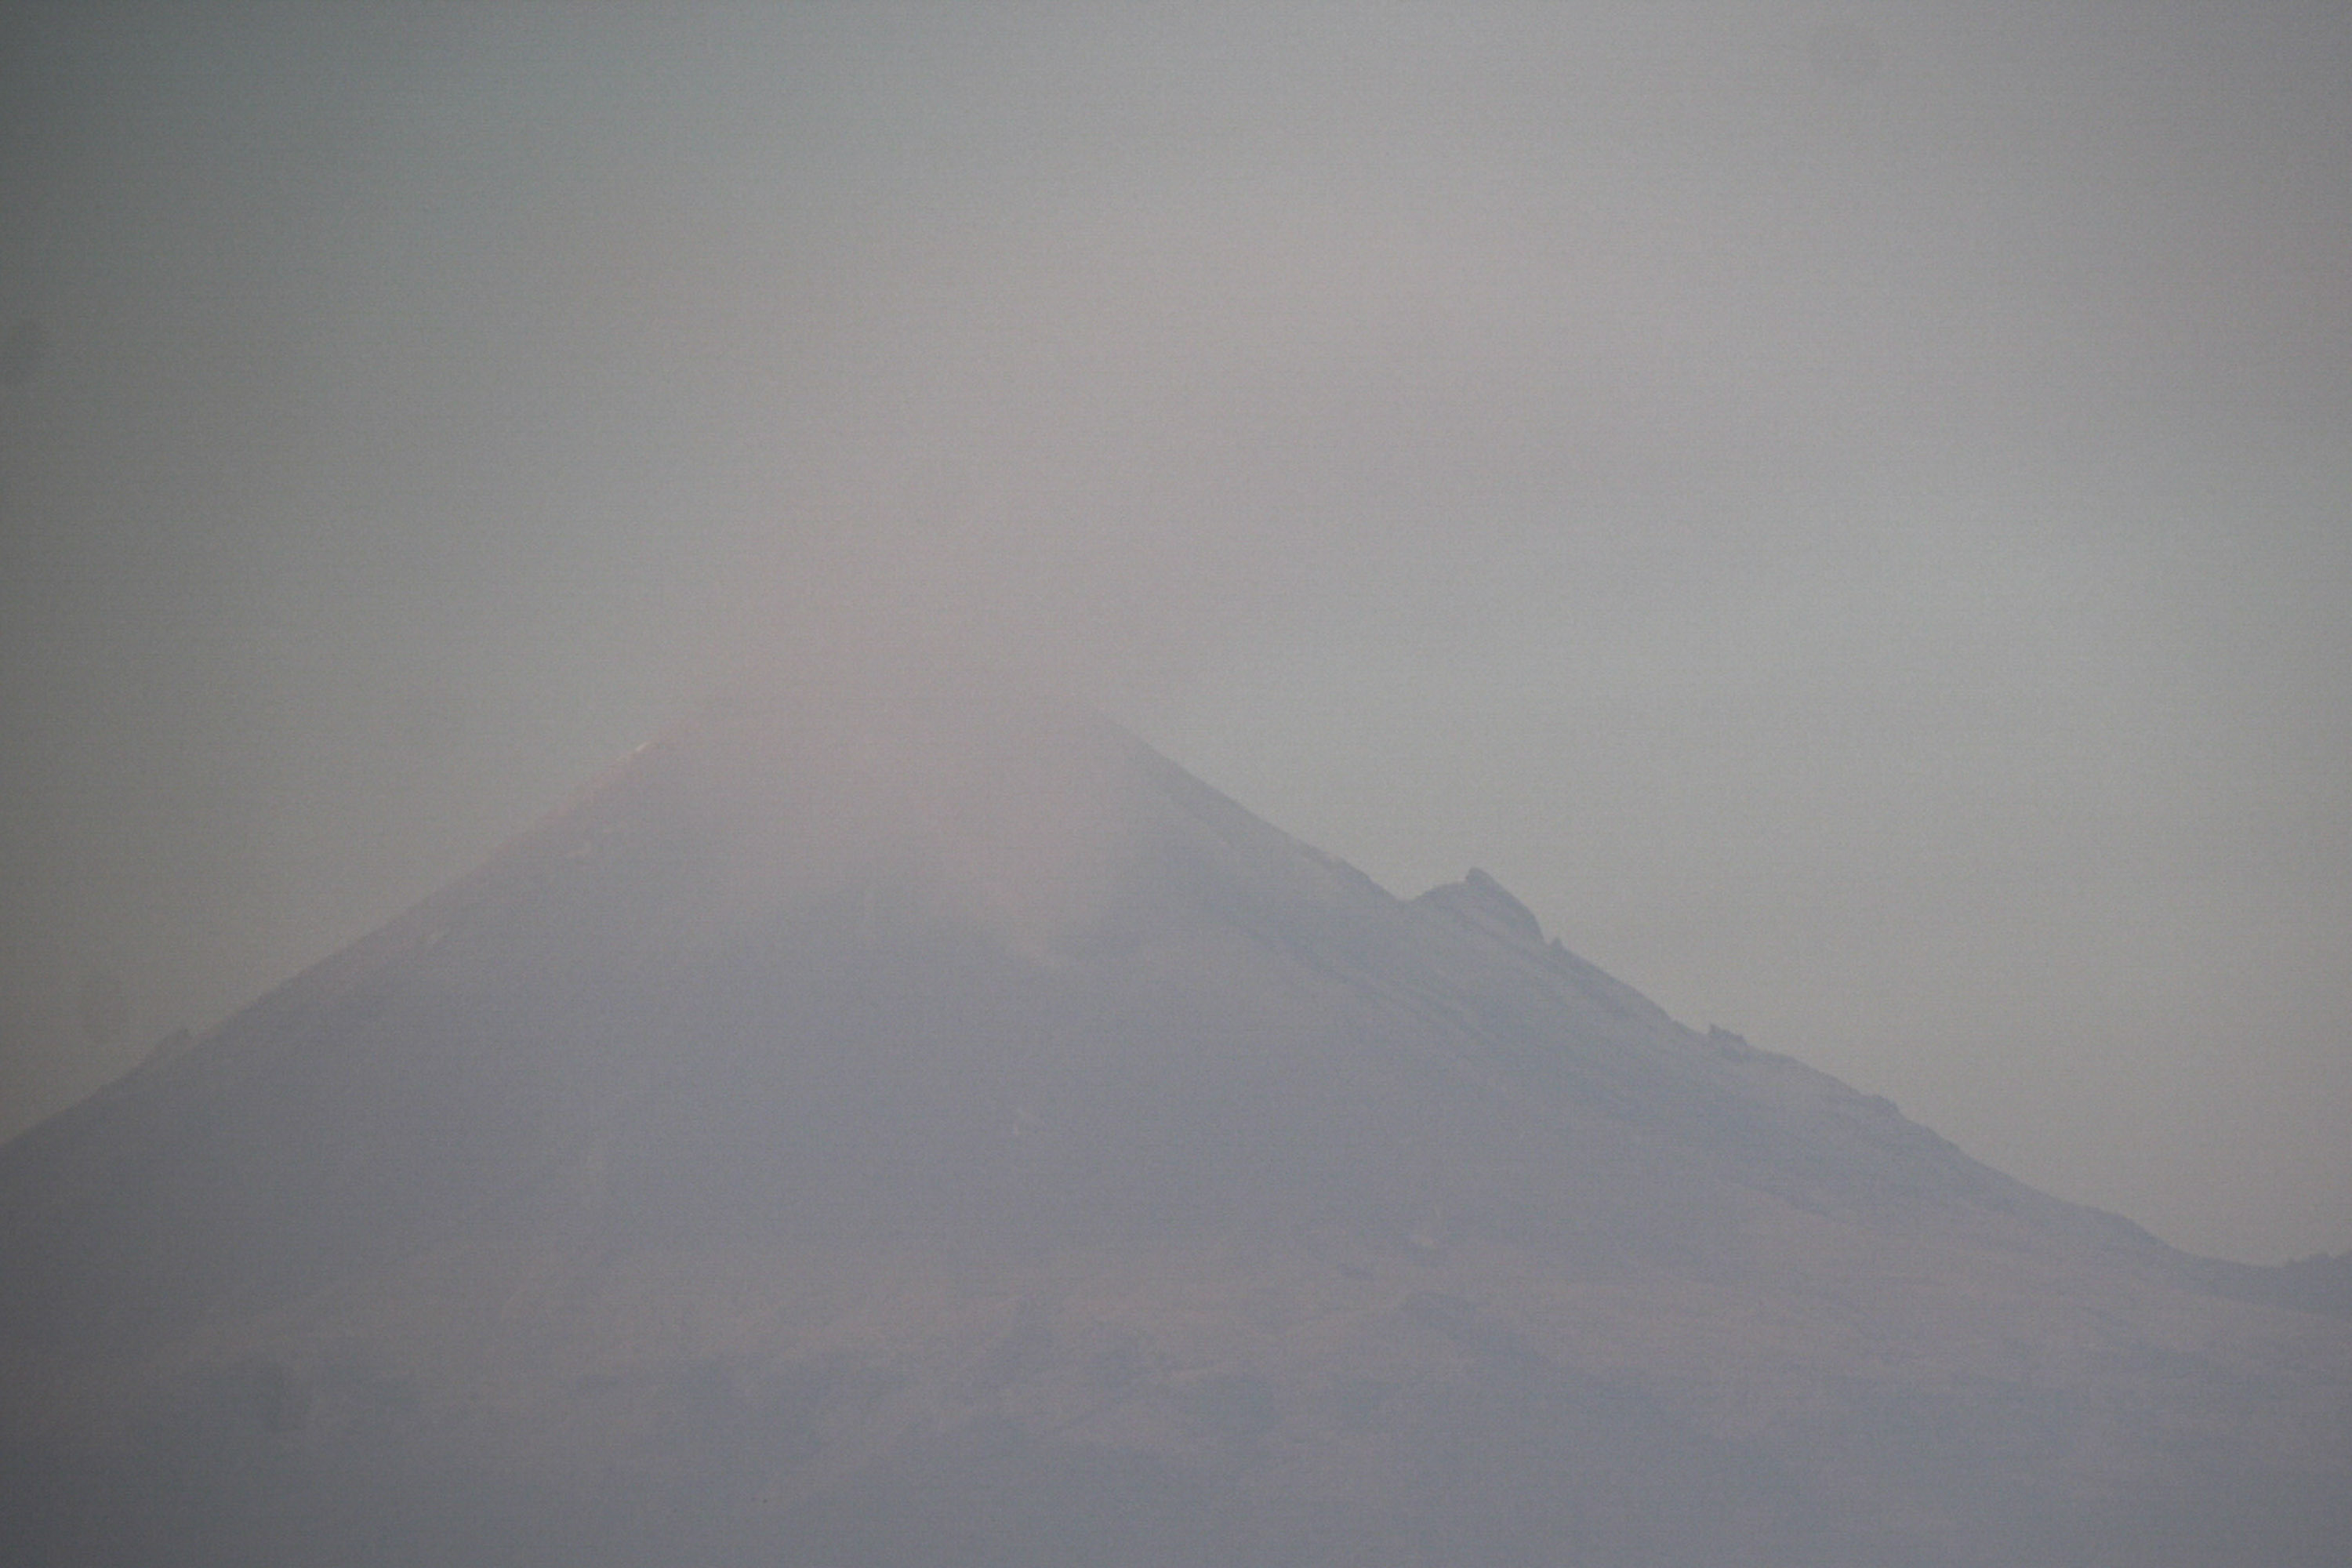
(928, 1132)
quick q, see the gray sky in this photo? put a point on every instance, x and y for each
(1847, 510)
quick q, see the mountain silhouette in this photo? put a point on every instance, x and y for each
(937, 1129)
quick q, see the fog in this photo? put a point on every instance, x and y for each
(1842, 509)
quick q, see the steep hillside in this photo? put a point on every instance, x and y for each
(951, 1133)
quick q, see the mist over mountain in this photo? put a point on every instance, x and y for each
(1840, 507)
(919, 1126)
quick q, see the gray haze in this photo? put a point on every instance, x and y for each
(1843, 509)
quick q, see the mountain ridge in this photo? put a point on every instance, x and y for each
(837, 1115)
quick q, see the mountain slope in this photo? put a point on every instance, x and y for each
(946, 1132)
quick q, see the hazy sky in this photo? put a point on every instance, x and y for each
(1847, 509)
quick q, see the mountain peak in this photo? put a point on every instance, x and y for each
(928, 1130)
(1483, 901)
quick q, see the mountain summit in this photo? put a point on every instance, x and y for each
(945, 1132)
